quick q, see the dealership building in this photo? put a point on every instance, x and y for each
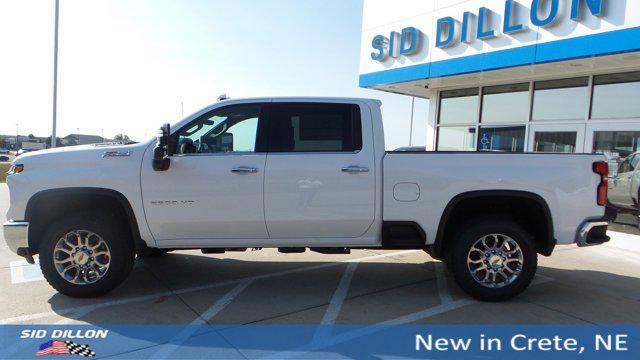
(512, 75)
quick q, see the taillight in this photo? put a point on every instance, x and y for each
(602, 168)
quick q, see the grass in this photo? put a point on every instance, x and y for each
(4, 167)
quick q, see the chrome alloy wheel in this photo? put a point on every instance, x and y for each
(81, 257)
(495, 260)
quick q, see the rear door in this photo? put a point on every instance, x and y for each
(320, 176)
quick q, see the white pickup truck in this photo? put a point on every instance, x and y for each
(297, 174)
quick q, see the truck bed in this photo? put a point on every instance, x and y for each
(439, 178)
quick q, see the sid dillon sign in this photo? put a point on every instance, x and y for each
(480, 25)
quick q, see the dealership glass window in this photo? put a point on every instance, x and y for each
(556, 142)
(456, 138)
(616, 144)
(459, 106)
(616, 96)
(564, 99)
(505, 104)
(505, 138)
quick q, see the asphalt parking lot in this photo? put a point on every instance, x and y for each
(599, 285)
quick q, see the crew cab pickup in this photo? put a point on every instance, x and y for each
(298, 174)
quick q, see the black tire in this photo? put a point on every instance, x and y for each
(467, 237)
(114, 234)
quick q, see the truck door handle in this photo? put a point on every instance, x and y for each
(353, 169)
(244, 169)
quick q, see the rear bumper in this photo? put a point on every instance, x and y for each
(592, 233)
(16, 235)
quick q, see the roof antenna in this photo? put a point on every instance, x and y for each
(223, 97)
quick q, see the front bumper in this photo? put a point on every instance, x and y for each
(16, 235)
(592, 233)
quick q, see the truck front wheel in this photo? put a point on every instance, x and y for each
(493, 259)
(86, 255)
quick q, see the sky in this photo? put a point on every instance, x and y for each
(127, 66)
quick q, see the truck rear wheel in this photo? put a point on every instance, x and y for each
(86, 255)
(493, 259)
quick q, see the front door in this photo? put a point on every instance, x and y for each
(320, 177)
(214, 186)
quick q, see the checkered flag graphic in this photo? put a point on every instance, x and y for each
(78, 349)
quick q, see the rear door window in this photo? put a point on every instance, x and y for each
(314, 127)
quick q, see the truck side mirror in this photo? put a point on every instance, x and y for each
(161, 151)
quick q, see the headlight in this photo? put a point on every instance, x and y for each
(15, 169)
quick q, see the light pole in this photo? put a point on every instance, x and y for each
(55, 75)
(413, 100)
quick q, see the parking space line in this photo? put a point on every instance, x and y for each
(405, 319)
(335, 304)
(225, 301)
(73, 317)
(92, 307)
(354, 334)
(22, 271)
(167, 349)
(441, 283)
(339, 295)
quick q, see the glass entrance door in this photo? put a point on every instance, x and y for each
(616, 141)
(565, 138)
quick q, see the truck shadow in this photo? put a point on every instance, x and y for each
(182, 289)
(179, 288)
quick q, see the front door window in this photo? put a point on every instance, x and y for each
(230, 129)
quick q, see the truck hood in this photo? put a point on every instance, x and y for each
(79, 155)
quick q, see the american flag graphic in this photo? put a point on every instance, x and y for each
(59, 347)
(53, 347)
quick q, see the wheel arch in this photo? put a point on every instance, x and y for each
(47, 205)
(545, 240)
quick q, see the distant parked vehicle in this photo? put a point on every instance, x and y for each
(23, 151)
(4, 158)
(624, 184)
(4, 151)
(32, 145)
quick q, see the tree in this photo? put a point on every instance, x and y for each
(122, 138)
